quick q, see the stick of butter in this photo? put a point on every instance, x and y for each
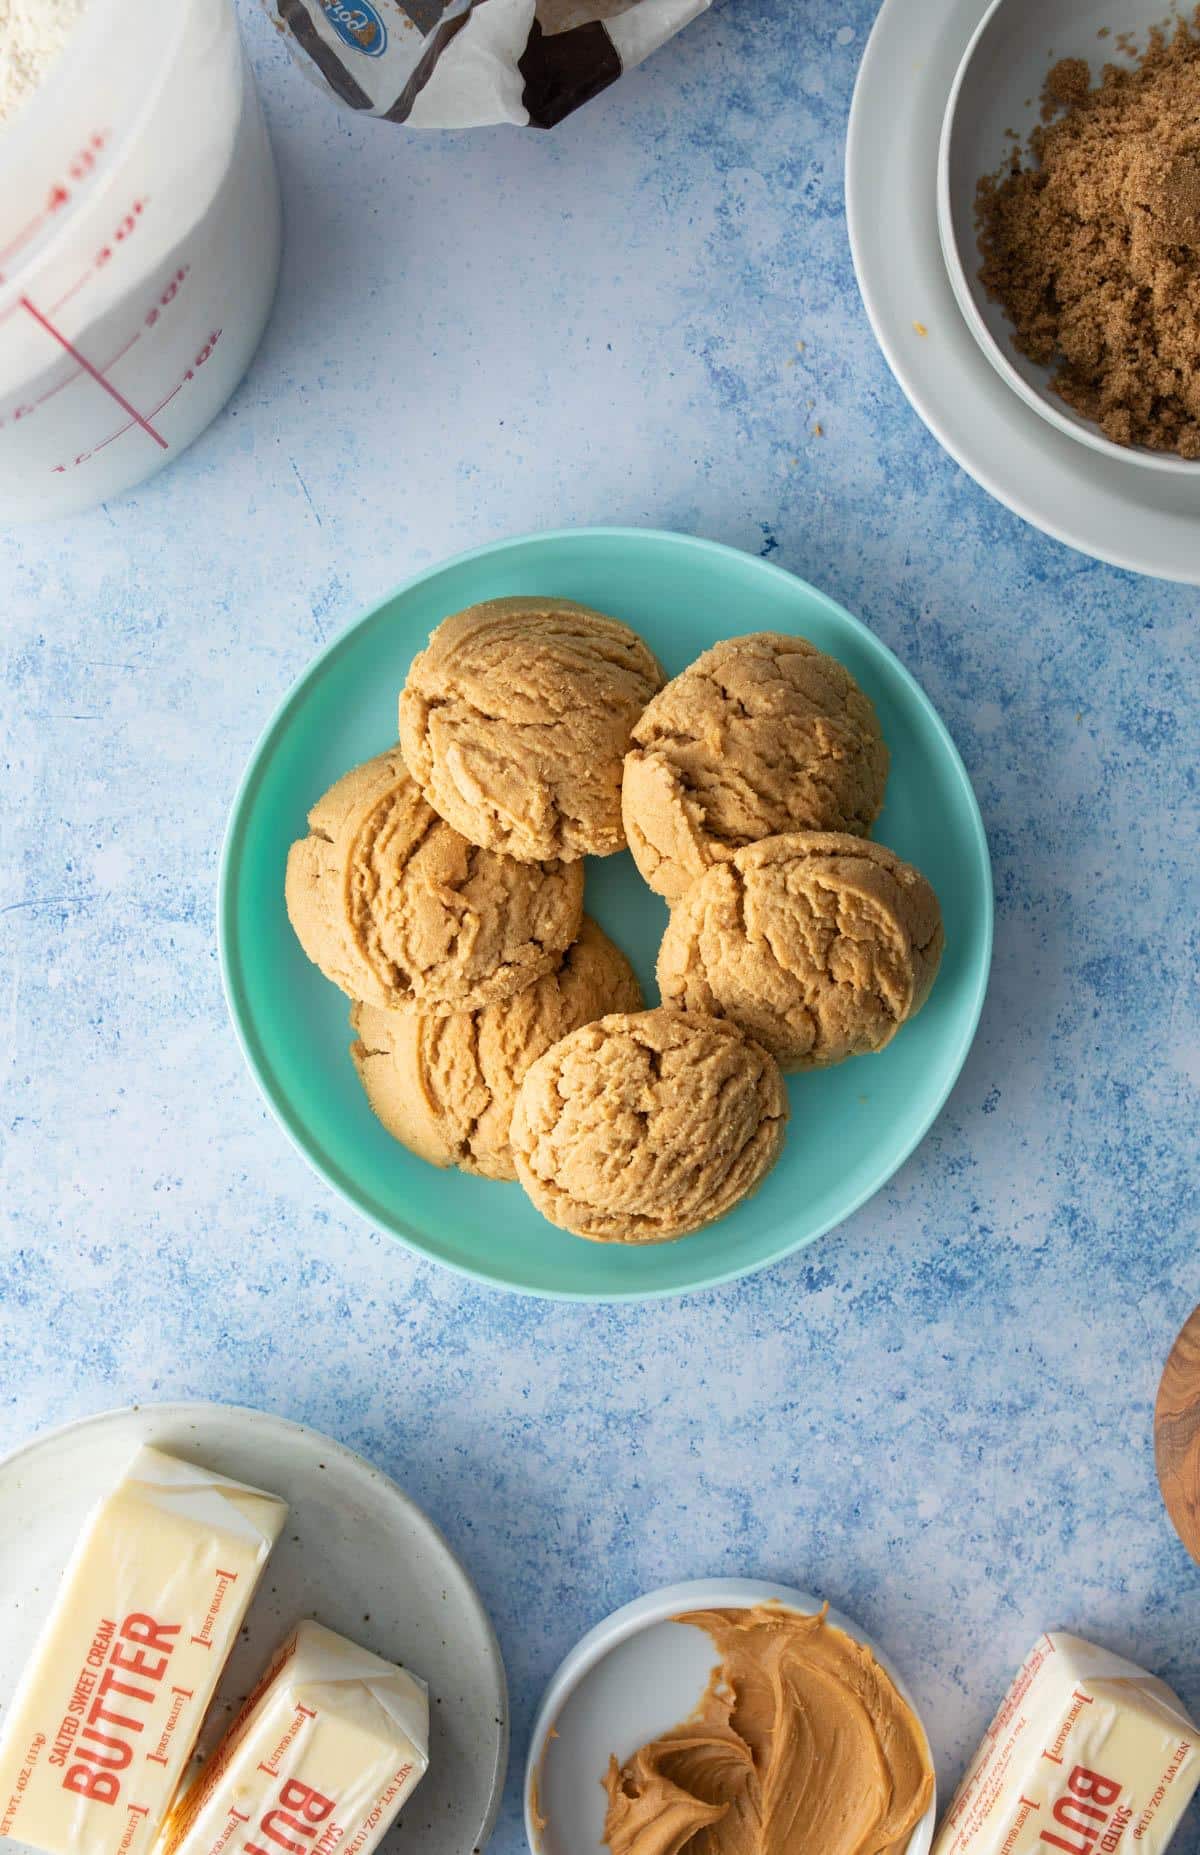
(321, 1757)
(109, 1706)
(1088, 1755)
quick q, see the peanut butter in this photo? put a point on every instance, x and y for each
(800, 1741)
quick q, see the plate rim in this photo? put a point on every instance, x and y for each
(187, 1408)
(363, 1201)
(980, 472)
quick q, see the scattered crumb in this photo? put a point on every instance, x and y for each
(1067, 87)
(818, 430)
(800, 347)
(1104, 32)
(920, 329)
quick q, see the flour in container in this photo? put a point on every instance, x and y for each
(33, 36)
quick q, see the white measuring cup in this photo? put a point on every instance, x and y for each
(139, 249)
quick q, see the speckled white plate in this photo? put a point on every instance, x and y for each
(635, 1675)
(1108, 507)
(356, 1553)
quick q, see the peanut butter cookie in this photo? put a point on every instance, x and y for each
(762, 734)
(818, 944)
(515, 720)
(445, 1087)
(399, 910)
(646, 1125)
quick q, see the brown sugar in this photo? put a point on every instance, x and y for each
(1092, 244)
(1067, 85)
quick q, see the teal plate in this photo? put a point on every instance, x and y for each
(851, 1127)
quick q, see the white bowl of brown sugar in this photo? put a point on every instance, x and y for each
(1069, 215)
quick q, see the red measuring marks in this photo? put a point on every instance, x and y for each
(80, 168)
(199, 361)
(163, 300)
(105, 255)
(94, 372)
(84, 456)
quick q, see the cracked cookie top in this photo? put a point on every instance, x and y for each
(761, 735)
(646, 1125)
(515, 719)
(446, 1086)
(401, 911)
(818, 944)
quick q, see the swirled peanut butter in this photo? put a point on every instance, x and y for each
(801, 1742)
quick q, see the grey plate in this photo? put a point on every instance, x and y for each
(356, 1553)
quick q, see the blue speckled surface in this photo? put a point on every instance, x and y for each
(941, 1415)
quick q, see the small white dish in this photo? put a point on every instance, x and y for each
(355, 1553)
(996, 99)
(633, 1676)
(1146, 521)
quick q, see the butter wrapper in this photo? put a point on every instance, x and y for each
(109, 1707)
(1088, 1755)
(461, 64)
(321, 1757)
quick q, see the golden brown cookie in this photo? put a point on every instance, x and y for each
(762, 734)
(446, 1086)
(515, 719)
(646, 1125)
(818, 944)
(400, 911)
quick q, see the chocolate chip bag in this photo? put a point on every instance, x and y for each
(458, 64)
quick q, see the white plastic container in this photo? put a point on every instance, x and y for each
(139, 250)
